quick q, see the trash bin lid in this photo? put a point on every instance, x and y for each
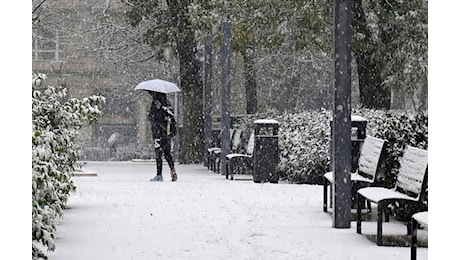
(355, 118)
(266, 122)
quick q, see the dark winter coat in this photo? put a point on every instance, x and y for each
(161, 118)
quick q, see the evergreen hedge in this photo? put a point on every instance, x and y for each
(304, 140)
(56, 122)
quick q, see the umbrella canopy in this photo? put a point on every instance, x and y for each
(158, 85)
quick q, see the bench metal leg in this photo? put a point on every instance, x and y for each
(380, 209)
(387, 215)
(208, 159)
(230, 168)
(218, 165)
(330, 196)
(227, 162)
(409, 227)
(358, 217)
(325, 184)
(413, 246)
(212, 162)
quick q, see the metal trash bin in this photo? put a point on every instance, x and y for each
(266, 151)
(358, 134)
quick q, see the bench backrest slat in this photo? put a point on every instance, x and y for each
(250, 147)
(370, 156)
(236, 140)
(414, 165)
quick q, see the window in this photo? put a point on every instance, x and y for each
(46, 45)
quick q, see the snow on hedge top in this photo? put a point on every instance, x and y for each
(266, 121)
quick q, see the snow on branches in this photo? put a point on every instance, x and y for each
(56, 122)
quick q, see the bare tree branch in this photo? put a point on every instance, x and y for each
(38, 6)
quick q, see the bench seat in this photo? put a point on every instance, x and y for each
(353, 177)
(234, 155)
(376, 194)
(421, 218)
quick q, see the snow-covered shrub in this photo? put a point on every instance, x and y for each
(134, 151)
(304, 146)
(304, 140)
(303, 143)
(56, 122)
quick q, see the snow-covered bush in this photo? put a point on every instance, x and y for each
(303, 143)
(304, 146)
(304, 140)
(134, 151)
(56, 122)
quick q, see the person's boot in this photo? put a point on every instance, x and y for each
(173, 175)
(157, 178)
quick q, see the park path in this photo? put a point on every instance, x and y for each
(120, 214)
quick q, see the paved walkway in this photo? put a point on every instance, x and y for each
(119, 214)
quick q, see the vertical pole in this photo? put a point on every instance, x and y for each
(176, 116)
(341, 127)
(207, 96)
(225, 93)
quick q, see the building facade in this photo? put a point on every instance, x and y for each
(75, 44)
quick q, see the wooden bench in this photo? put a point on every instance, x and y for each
(408, 193)
(216, 136)
(420, 218)
(208, 160)
(214, 152)
(239, 161)
(369, 163)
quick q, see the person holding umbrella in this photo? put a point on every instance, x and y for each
(163, 129)
(162, 121)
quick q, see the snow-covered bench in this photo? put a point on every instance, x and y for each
(408, 193)
(369, 162)
(418, 218)
(239, 161)
(210, 158)
(213, 153)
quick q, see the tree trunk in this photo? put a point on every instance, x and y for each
(191, 147)
(372, 92)
(424, 97)
(250, 82)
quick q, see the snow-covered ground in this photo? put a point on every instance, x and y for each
(120, 214)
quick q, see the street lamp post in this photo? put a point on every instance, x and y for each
(225, 93)
(341, 127)
(207, 96)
